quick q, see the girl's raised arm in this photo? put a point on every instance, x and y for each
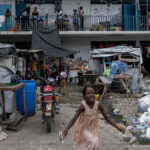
(101, 108)
(73, 120)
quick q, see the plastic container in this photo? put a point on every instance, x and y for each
(101, 45)
(30, 94)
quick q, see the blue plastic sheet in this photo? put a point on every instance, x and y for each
(115, 66)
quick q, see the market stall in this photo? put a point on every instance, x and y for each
(27, 61)
(116, 63)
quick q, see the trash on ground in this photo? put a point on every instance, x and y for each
(3, 135)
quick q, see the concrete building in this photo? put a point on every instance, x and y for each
(122, 22)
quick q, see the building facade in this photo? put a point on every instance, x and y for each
(106, 23)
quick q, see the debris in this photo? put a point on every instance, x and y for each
(38, 107)
(144, 118)
(12, 117)
(129, 127)
(134, 146)
(13, 128)
(97, 97)
(63, 124)
(148, 139)
(116, 110)
(133, 140)
(3, 135)
(115, 113)
(144, 103)
(61, 137)
(135, 121)
(127, 136)
(148, 133)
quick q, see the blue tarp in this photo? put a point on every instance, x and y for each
(117, 65)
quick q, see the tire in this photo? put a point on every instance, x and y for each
(48, 124)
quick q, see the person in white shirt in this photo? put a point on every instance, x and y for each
(59, 19)
(62, 76)
(25, 20)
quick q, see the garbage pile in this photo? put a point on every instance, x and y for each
(142, 122)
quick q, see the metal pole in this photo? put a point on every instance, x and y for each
(147, 14)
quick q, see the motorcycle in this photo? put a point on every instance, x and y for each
(49, 101)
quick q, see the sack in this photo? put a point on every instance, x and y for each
(144, 104)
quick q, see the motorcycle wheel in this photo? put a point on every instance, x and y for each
(48, 124)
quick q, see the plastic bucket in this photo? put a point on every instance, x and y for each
(30, 94)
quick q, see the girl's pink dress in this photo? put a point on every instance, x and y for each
(87, 128)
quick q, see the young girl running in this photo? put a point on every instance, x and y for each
(87, 122)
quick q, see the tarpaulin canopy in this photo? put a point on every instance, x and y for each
(50, 42)
(113, 51)
(7, 49)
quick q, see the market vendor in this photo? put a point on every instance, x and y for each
(144, 71)
(45, 71)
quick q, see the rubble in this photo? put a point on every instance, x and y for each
(134, 110)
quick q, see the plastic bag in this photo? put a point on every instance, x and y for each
(144, 103)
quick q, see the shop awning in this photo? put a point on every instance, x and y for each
(113, 51)
(7, 49)
(49, 41)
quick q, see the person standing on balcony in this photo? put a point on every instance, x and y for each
(59, 18)
(25, 19)
(7, 18)
(46, 21)
(148, 20)
(35, 15)
(18, 26)
(81, 15)
(75, 19)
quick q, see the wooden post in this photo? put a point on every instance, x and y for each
(14, 99)
(4, 111)
(125, 86)
(24, 98)
(104, 91)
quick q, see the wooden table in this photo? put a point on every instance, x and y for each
(14, 88)
(125, 79)
(90, 79)
(80, 75)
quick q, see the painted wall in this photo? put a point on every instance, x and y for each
(43, 9)
(10, 2)
(83, 44)
(5, 1)
(78, 44)
(3, 8)
(4, 4)
(69, 5)
(104, 10)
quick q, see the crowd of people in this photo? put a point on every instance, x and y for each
(62, 21)
(34, 20)
(45, 70)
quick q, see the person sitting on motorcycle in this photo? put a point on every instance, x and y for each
(62, 76)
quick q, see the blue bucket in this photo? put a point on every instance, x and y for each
(30, 94)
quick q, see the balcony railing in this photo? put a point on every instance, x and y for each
(90, 23)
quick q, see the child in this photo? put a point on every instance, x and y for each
(63, 77)
(66, 22)
(18, 26)
(75, 19)
(46, 20)
(87, 122)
